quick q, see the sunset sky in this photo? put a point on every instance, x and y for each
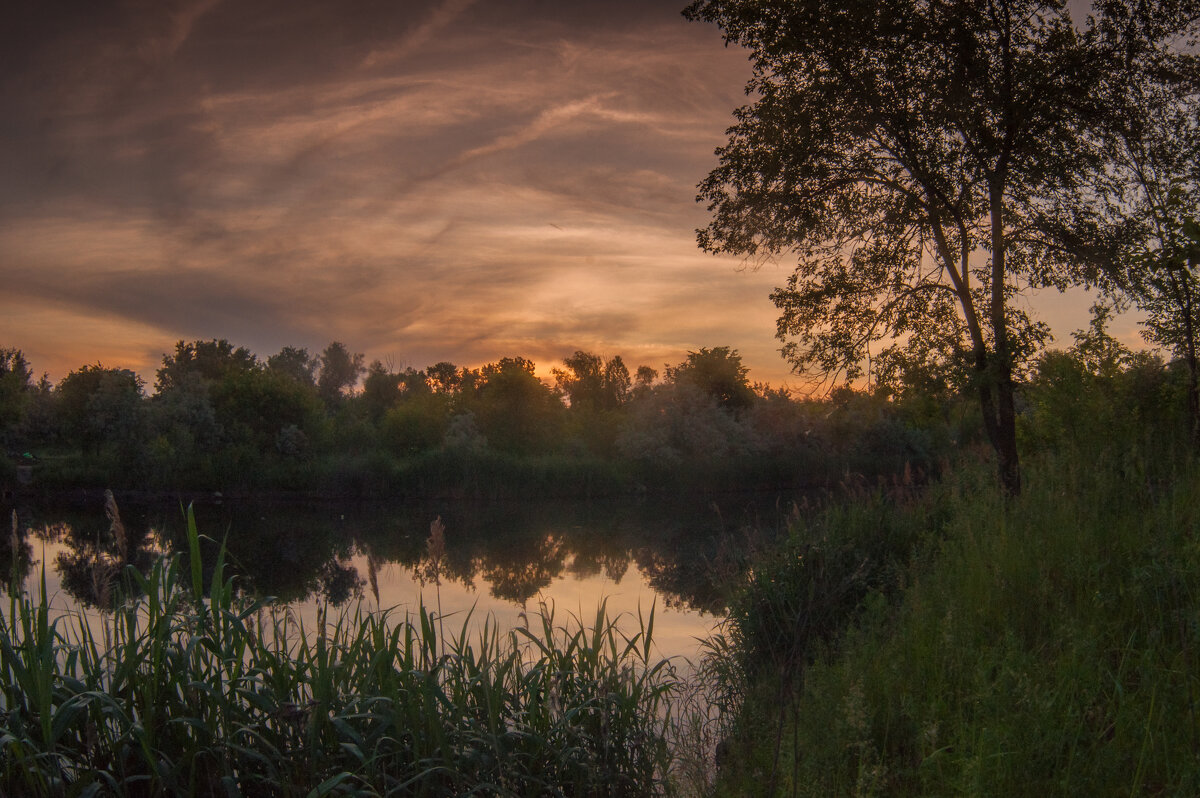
(423, 181)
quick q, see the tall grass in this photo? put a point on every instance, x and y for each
(197, 693)
(1044, 646)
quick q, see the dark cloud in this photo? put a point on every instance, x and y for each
(425, 181)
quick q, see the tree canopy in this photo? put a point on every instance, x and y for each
(920, 160)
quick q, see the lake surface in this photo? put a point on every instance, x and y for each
(507, 561)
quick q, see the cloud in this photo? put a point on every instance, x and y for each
(444, 14)
(474, 181)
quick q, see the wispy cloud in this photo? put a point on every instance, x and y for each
(470, 181)
(441, 17)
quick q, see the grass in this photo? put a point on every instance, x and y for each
(187, 690)
(1044, 646)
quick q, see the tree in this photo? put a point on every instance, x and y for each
(516, 411)
(16, 389)
(339, 373)
(590, 382)
(381, 389)
(444, 377)
(209, 360)
(101, 405)
(1154, 194)
(716, 372)
(295, 362)
(254, 406)
(916, 157)
(1167, 287)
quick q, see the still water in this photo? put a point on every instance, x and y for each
(504, 561)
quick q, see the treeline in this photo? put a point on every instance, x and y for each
(222, 418)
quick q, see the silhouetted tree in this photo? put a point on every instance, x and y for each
(255, 406)
(643, 381)
(444, 377)
(339, 373)
(909, 154)
(1153, 191)
(295, 362)
(514, 409)
(717, 372)
(381, 390)
(590, 383)
(413, 383)
(210, 360)
(1167, 288)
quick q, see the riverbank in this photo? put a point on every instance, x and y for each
(961, 644)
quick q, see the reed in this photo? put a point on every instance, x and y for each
(198, 692)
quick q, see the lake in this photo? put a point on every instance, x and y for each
(504, 560)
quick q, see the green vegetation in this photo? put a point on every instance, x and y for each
(952, 641)
(188, 691)
(933, 630)
(221, 419)
(927, 163)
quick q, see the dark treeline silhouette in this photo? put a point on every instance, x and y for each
(222, 419)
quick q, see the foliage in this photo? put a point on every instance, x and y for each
(208, 360)
(591, 383)
(1046, 647)
(1164, 281)
(444, 377)
(193, 692)
(1099, 392)
(910, 155)
(716, 372)
(295, 362)
(956, 641)
(680, 423)
(515, 410)
(226, 422)
(253, 406)
(339, 372)
(97, 405)
(15, 391)
(417, 424)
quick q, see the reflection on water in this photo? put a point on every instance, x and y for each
(496, 559)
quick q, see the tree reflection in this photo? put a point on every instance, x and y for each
(518, 573)
(92, 565)
(271, 552)
(16, 556)
(299, 553)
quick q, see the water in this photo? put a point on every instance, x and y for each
(506, 561)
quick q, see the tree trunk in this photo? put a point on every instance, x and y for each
(1190, 349)
(1000, 371)
(996, 401)
(1006, 434)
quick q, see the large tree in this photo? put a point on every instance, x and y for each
(1151, 199)
(909, 154)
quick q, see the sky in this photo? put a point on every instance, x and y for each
(455, 180)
